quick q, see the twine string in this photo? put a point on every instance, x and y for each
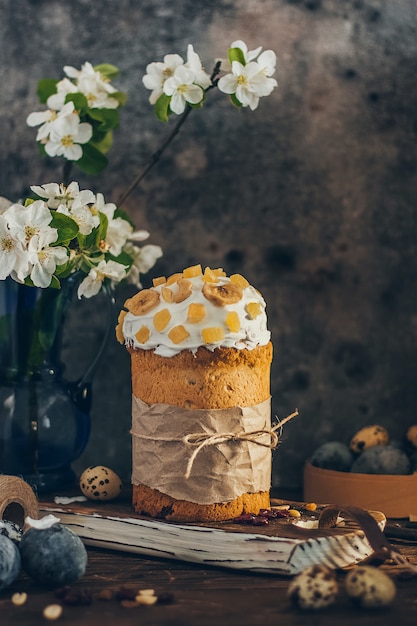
(203, 440)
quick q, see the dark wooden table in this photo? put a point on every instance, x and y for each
(200, 597)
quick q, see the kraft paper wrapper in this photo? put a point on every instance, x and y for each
(17, 500)
(221, 472)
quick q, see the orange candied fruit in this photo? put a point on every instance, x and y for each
(233, 322)
(254, 309)
(161, 319)
(178, 334)
(160, 280)
(173, 278)
(196, 312)
(209, 276)
(238, 279)
(143, 334)
(213, 334)
(193, 270)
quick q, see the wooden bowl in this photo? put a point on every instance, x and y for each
(395, 496)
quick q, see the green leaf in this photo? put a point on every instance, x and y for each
(236, 54)
(104, 144)
(107, 118)
(123, 258)
(55, 284)
(46, 87)
(66, 226)
(101, 231)
(92, 161)
(120, 96)
(161, 107)
(235, 101)
(79, 100)
(107, 70)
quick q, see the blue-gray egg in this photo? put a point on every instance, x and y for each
(53, 556)
(382, 460)
(11, 530)
(10, 562)
(333, 455)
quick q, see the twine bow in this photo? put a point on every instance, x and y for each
(203, 440)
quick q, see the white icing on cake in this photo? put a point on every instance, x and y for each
(253, 331)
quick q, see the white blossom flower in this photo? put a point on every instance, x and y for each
(82, 215)
(143, 259)
(92, 283)
(45, 258)
(139, 235)
(26, 222)
(88, 81)
(47, 119)
(158, 73)
(248, 83)
(250, 55)
(194, 64)
(66, 133)
(70, 196)
(13, 257)
(182, 89)
(57, 100)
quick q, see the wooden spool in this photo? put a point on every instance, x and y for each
(17, 500)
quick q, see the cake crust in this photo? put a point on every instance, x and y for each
(221, 379)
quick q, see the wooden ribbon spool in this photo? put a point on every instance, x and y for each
(17, 500)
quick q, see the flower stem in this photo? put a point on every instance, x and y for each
(155, 157)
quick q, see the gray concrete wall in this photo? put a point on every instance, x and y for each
(311, 197)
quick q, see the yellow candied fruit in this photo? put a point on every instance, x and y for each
(193, 270)
(219, 272)
(233, 322)
(161, 320)
(173, 278)
(167, 294)
(213, 334)
(310, 506)
(143, 334)
(209, 276)
(196, 313)
(254, 309)
(119, 328)
(294, 513)
(238, 279)
(160, 280)
(178, 334)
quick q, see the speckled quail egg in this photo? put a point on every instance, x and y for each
(333, 455)
(411, 435)
(369, 587)
(382, 460)
(100, 483)
(369, 437)
(315, 588)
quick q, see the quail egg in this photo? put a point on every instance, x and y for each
(368, 437)
(369, 587)
(100, 483)
(315, 588)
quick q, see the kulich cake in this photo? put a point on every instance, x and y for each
(201, 419)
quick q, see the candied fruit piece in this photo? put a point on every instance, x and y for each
(193, 270)
(254, 309)
(143, 334)
(238, 279)
(233, 322)
(160, 280)
(167, 294)
(161, 320)
(219, 272)
(209, 276)
(178, 334)
(119, 328)
(173, 278)
(196, 313)
(213, 334)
